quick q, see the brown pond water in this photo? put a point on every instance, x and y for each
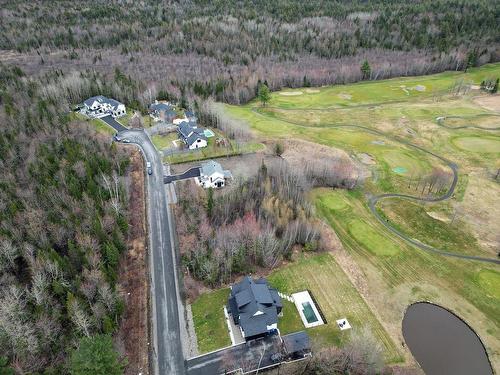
(442, 343)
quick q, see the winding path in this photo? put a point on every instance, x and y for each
(440, 121)
(375, 199)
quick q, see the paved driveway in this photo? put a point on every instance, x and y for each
(113, 123)
(190, 173)
(257, 354)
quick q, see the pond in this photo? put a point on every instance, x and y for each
(442, 343)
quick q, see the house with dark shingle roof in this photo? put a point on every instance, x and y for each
(254, 307)
(100, 106)
(160, 111)
(191, 135)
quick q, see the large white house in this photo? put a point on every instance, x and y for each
(212, 175)
(193, 136)
(100, 106)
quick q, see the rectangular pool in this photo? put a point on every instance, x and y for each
(309, 312)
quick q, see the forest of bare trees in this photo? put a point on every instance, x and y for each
(254, 223)
(223, 49)
(63, 223)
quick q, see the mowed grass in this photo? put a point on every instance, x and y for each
(209, 321)
(337, 298)
(410, 274)
(164, 141)
(478, 144)
(373, 92)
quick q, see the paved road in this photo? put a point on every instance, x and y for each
(167, 353)
(190, 173)
(113, 123)
(374, 200)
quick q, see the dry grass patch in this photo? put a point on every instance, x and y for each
(490, 102)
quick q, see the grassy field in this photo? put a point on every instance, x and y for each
(384, 119)
(337, 298)
(209, 321)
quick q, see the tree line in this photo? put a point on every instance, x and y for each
(222, 49)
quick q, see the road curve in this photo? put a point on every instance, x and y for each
(375, 199)
(167, 346)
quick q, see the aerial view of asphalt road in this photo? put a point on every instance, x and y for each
(167, 350)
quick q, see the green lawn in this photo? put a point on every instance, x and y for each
(337, 298)
(209, 321)
(99, 125)
(164, 141)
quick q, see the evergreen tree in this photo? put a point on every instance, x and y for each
(495, 87)
(96, 356)
(210, 202)
(366, 69)
(264, 94)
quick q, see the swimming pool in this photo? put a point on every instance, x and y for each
(309, 313)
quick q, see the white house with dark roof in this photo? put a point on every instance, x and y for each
(100, 106)
(191, 135)
(212, 175)
(254, 307)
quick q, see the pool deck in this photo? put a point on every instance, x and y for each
(304, 297)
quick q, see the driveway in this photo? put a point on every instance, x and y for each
(256, 354)
(113, 123)
(190, 173)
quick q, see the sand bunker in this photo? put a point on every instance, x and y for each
(345, 96)
(366, 159)
(419, 87)
(439, 216)
(380, 143)
(299, 153)
(291, 93)
(312, 91)
(491, 102)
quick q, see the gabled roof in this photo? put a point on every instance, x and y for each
(254, 305)
(160, 107)
(210, 167)
(102, 100)
(194, 138)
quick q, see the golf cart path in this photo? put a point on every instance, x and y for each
(372, 202)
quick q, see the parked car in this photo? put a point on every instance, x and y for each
(117, 138)
(148, 168)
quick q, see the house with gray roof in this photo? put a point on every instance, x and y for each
(193, 136)
(100, 106)
(254, 307)
(161, 111)
(212, 175)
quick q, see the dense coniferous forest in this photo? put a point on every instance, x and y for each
(223, 48)
(63, 225)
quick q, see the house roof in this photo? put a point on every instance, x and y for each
(160, 107)
(103, 100)
(254, 305)
(194, 137)
(189, 113)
